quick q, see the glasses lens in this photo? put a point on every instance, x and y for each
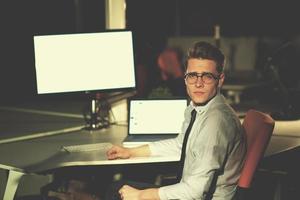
(208, 78)
(191, 78)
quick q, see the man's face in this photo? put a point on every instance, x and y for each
(201, 92)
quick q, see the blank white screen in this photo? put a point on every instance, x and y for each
(83, 62)
(156, 116)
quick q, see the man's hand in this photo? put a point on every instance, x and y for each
(118, 152)
(129, 193)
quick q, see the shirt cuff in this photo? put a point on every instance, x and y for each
(162, 193)
(175, 191)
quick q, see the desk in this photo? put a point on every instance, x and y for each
(42, 154)
(33, 156)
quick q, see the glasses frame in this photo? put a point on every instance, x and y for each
(201, 75)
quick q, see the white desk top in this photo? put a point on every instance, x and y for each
(43, 153)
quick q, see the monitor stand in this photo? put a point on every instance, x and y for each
(96, 115)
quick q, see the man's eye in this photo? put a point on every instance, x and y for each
(192, 75)
(208, 76)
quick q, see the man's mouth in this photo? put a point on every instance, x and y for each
(198, 93)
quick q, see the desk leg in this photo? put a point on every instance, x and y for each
(12, 184)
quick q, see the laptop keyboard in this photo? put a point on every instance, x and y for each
(103, 146)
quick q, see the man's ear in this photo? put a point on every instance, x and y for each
(221, 80)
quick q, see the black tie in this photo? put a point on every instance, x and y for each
(183, 150)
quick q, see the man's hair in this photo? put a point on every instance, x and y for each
(205, 50)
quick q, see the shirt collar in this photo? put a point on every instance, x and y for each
(202, 109)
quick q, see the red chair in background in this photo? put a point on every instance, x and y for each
(259, 128)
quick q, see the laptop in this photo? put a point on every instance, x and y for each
(154, 119)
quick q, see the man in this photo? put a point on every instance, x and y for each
(216, 144)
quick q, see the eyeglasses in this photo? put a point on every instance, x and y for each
(206, 77)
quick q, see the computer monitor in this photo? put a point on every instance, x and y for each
(85, 62)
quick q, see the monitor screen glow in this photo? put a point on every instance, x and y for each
(156, 116)
(84, 62)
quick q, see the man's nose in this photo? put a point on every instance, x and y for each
(199, 82)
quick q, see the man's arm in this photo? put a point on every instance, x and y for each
(121, 152)
(161, 148)
(140, 151)
(151, 193)
(129, 193)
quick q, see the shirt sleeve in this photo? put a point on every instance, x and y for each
(166, 147)
(209, 153)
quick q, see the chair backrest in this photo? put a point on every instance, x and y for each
(259, 128)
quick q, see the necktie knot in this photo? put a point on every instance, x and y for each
(193, 114)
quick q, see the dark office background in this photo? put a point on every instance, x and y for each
(151, 21)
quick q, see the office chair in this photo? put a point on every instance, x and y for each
(259, 128)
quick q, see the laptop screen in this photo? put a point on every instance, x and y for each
(156, 116)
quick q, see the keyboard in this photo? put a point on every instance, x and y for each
(103, 146)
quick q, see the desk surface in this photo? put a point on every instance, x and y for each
(42, 154)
